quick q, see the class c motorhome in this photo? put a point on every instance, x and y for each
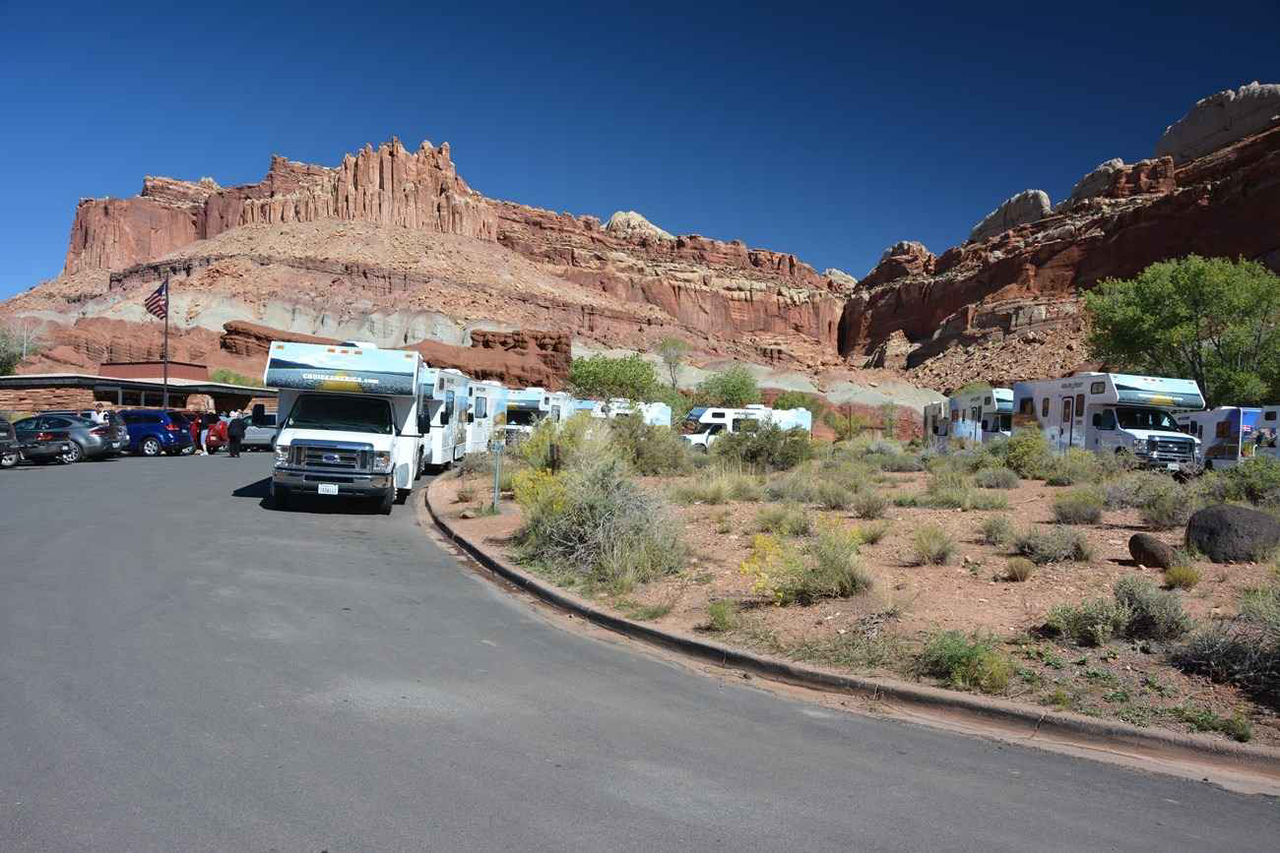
(1231, 434)
(654, 414)
(703, 424)
(526, 408)
(444, 399)
(348, 420)
(486, 401)
(1112, 413)
(978, 417)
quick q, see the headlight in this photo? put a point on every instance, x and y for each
(282, 455)
(382, 461)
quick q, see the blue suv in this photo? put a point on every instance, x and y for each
(155, 431)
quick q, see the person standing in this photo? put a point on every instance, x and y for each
(204, 434)
(98, 416)
(235, 432)
(194, 426)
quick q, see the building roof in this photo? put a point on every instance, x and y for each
(90, 380)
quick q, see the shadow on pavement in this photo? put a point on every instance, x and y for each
(317, 505)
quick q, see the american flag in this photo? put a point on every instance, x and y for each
(158, 302)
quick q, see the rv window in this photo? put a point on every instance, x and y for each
(1027, 406)
(1097, 387)
(347, 414)
(976, 412)
(986, 402)
(1079, 405)
(984, 425)
(1105, 420)
(481, 407)
(1133, 417)
(1269, 416)
(1044, 408)
(447, 414)
(1006, 423)
(1221, 429)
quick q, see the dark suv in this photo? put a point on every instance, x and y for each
(155, 431)
(8, 445)
(117, 432)
(65, 438)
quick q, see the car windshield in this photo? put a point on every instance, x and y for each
(179, 419)
(356, 414)
(1131, 417)
(518, 417)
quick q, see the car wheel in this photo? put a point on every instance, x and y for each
(74, 454)
(421, 469)
(279, 497)
(151, 447)
(388, 501)
(8, 460)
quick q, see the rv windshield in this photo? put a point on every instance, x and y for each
(1132, 417)
(333, 412)
(522, 417)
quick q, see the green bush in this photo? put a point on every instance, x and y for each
(1092, 623)
(833, 496)
(970, 663)
(829, 568)
(733, 388)
(873, 533)
(899, 463)
(998, 530)
(799, 400)
(649, 450)
(837, 572)
(718, 488)
(602, 377)
(1078, 506)
(1251, 480)
(723, 616)
(551, 444)
(1154, 614)
(932, 545)
(996, 478)
(1027, 452)
(1073, 467)
(768, 447)
(793, 487)
(230, 377)
(594, 521)
(787, 519)
(1019, 569)
(1167, 505)
(869, 504)
(1241, 652)
(1053, 545)
(1182, 576)
(1132, 490)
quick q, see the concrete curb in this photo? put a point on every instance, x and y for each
(1027, 721)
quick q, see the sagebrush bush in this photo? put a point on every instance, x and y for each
(1251, 480)
(783, 573)
(1168, 505)
(1019, 569)
(1237, 651)
(1154, 614)
(932, 545)
(649, 450)
(832, 496)
(1027, 452)
(1053, 545)
(554, 444)
(869, 504)
(1078, 506)
(1131, 490)
(996, 478)
(1073, 467)
(768, 447)
(723, 616)
(998, 530)
(873, 533)
(795, 487)
(1091, 623)
(901, 463)
(1182, 576)
(837, 572)
(596, 522)
(721, 487)
(787, 519)
(971, 663)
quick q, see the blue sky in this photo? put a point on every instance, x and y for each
(827, 133)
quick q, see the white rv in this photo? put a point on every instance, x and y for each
(1113, 413)
(979, 417)
(444, 398)
(526, 408)
(702, 425)
(1230, 434)
(485, 402)
(653, 414)
(937, 426)
(348, 420)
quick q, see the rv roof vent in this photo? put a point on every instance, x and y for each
(362, 344)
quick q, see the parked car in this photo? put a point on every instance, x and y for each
(155, 431)
(260, 436)
(74, 438)
(9, 452)
(119, 433)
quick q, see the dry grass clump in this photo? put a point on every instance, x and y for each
(933, 546)
(1078, 506)
(1019, 570)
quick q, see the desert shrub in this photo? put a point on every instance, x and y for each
(649, 450)
(873, 533)
(1053, 545)
(837, 571)
(906, 500)
(793, 487)
(596, 522)
(1252, 479)
(733, 387)
(1236, 727)
(1133, 489)
(781, 572)
(1019, 569)
(603, 377)
(718, 488)
(1154, 614)
(946, 479)
(1027, 452)
(787, 519)
(1073, 467)
(1091, 623)
(833, 495)
(1238, 651)
(1167, 505)
(768, 447)
(1078, 506)
(932, 545)
(466, 493)
(996, 478)
(971, 663)
(900, 463)
(998, 530)
(1182, 576)
(1261, 605)
(869, 504)
(475, 463)
(723, 616)
(553, 444)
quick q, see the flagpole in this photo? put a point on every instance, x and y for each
(165, 404)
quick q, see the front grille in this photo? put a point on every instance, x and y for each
(331, 458)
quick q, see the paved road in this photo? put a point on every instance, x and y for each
(184, 669)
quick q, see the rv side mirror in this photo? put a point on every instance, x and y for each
(259, 415)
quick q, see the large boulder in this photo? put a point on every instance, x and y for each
(630, 225)
(1233, 534)
(1149, 551)
(1221, 119)
(1027, 206)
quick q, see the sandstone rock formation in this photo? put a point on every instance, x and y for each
(840, 277)
(904, 258)
(1220, 120)
(1113, 179)
(630, 225)
(1027, 206)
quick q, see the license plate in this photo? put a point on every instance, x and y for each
(1173, 466)
(328, 488)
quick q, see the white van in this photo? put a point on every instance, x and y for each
(348, 420)
(1229, 434)
(702, 425)
(1113, 413)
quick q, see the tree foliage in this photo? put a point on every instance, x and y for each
(230, 377)
(602, 377)
(798, 400)
(1213, 320)
(18, 339)
(733, 387)
(672, 351)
